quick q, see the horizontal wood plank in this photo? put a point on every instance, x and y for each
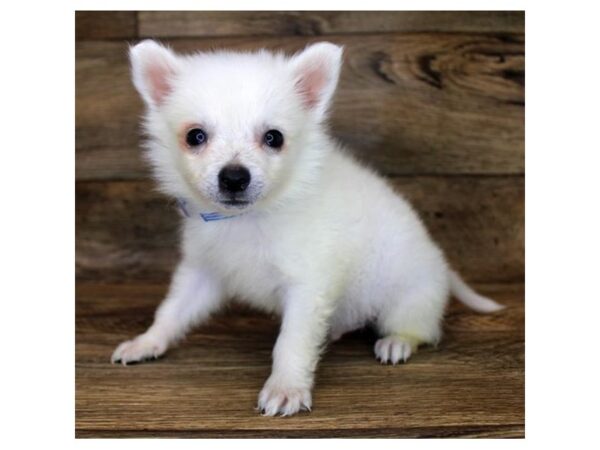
(482, 432)
(471, 385)
(127, 231)
(105, 25)
(406, 104)
(309, 23)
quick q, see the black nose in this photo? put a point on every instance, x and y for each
(234, 179)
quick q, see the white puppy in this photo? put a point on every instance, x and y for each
(278, 216)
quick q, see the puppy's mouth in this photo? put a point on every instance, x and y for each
(234, 203)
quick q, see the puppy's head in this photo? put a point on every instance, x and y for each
(233, 130)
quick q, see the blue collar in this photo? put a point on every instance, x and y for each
(191, 212)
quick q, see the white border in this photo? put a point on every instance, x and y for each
(307, 5)
(38, 219)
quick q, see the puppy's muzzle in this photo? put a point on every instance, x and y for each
(233, 179)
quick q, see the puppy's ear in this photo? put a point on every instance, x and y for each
(315, 71)
(153, 68)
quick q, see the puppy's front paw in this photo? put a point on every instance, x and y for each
(139, 349)
(281, 398)
(393, 349)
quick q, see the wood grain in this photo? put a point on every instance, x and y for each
(127, 231)
(105, 25)
(308, 23)
(406, 104)
(471, 385)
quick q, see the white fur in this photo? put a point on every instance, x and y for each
(325, 242)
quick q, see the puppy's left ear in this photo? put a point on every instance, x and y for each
(315, 72)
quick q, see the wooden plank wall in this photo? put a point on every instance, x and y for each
(433, 100)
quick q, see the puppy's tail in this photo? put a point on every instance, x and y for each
(469, 297)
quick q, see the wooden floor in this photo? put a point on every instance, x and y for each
(472, 385)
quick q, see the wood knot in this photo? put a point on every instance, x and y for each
(383, 67)
(427, 71)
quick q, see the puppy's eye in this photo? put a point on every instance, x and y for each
(195, 137)
(274, 138)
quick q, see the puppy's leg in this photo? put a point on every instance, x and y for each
(303, 332)
(414, 320)
(193, 295)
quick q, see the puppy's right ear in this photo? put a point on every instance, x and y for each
(153, 68)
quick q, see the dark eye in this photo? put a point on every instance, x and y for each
(274, 138)
(195, 137)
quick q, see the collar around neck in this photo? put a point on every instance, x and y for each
(188, 209)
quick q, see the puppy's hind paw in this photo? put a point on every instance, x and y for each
(276, 399)
(392, 349)
(139, 349)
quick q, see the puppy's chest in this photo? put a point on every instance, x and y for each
(246, 262)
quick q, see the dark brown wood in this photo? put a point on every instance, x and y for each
(126, 231)
(308, 23)
(472, 385)
(407, 104)
(105, 25)
(486, 432)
